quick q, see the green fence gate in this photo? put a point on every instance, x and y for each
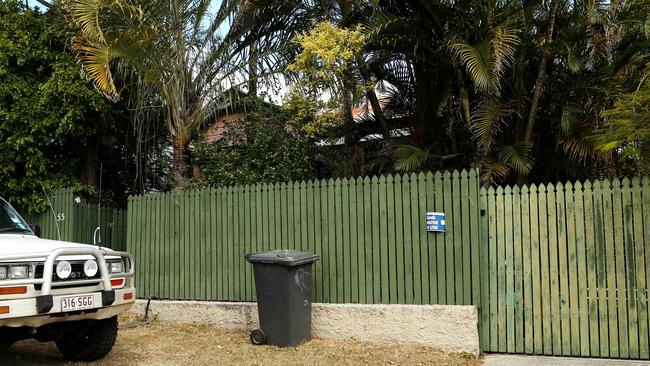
(77, 221)
(567, 269)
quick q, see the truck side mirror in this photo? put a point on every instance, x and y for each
(36, 229)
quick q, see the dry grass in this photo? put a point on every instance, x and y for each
(173, 344)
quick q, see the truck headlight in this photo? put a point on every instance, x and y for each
(63, 269)
(3, 272)
(90, 268)
(19, 272)
(116, 267)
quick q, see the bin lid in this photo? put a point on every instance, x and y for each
(289, 258)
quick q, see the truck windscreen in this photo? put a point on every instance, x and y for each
(10, 221)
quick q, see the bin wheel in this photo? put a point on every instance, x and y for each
(258, 337)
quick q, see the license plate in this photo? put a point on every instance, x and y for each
(73, 303)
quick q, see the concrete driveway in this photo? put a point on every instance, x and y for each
(519, 360)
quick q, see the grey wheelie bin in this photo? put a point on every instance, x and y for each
(283, 281)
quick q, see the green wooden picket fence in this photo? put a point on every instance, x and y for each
(554, 269)
(77, 221)
(370, 234)
(568, 268)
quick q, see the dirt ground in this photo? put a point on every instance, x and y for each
(173, 344)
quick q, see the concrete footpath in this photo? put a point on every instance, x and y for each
(519, 360)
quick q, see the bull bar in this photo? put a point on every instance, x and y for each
(44, 301)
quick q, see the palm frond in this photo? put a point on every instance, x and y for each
(573, 132)
(385, 31)
(96, 61)
(85, 13)
(573, 60)
(503, 42)
(568, 119)
(487, 61)
(577, 147)
(518, 156)
(493, 171)
(410, 158)
(478, 62)
(488, 118)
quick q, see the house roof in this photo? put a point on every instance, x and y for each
(234, 101)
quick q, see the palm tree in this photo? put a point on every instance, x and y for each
(530, 80)
(446, 48)
(172, 52)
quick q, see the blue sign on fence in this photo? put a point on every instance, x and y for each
(436, 222)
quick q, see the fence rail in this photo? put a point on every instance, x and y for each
(370, 234)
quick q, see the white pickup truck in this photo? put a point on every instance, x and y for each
(57, 291)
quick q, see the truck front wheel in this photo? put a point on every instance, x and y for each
(88, 340)
(5, 344)
(7, 338)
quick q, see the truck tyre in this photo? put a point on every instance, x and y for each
(5, 344)
(7, 339)
(88, 340)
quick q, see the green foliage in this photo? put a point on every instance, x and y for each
(516, 156)
(47, 111)
(626, 128)
(309, 114)
(411, 158)
(327, 55)
(262, 148)
(487, 62)
(489, 117)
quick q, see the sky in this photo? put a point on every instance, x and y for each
(34, 3)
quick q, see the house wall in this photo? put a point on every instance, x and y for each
(217, 128)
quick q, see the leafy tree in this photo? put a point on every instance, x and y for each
(56, 129)
(626, 129)
(319, 47)
(511, 87)
(327, 55)
(263, 147)
(325, 65)
(49, 117)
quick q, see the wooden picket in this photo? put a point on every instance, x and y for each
(567, 269)
(77, 221)
(370, 234)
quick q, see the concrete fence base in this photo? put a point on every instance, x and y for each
(450, 328)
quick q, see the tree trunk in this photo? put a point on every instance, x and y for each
(89, 165)
(541, 75)
(431, 89)
(181, 162)
(539, 82)
(464, 98)
(252, 70)
(374, 101)
(378, 113)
